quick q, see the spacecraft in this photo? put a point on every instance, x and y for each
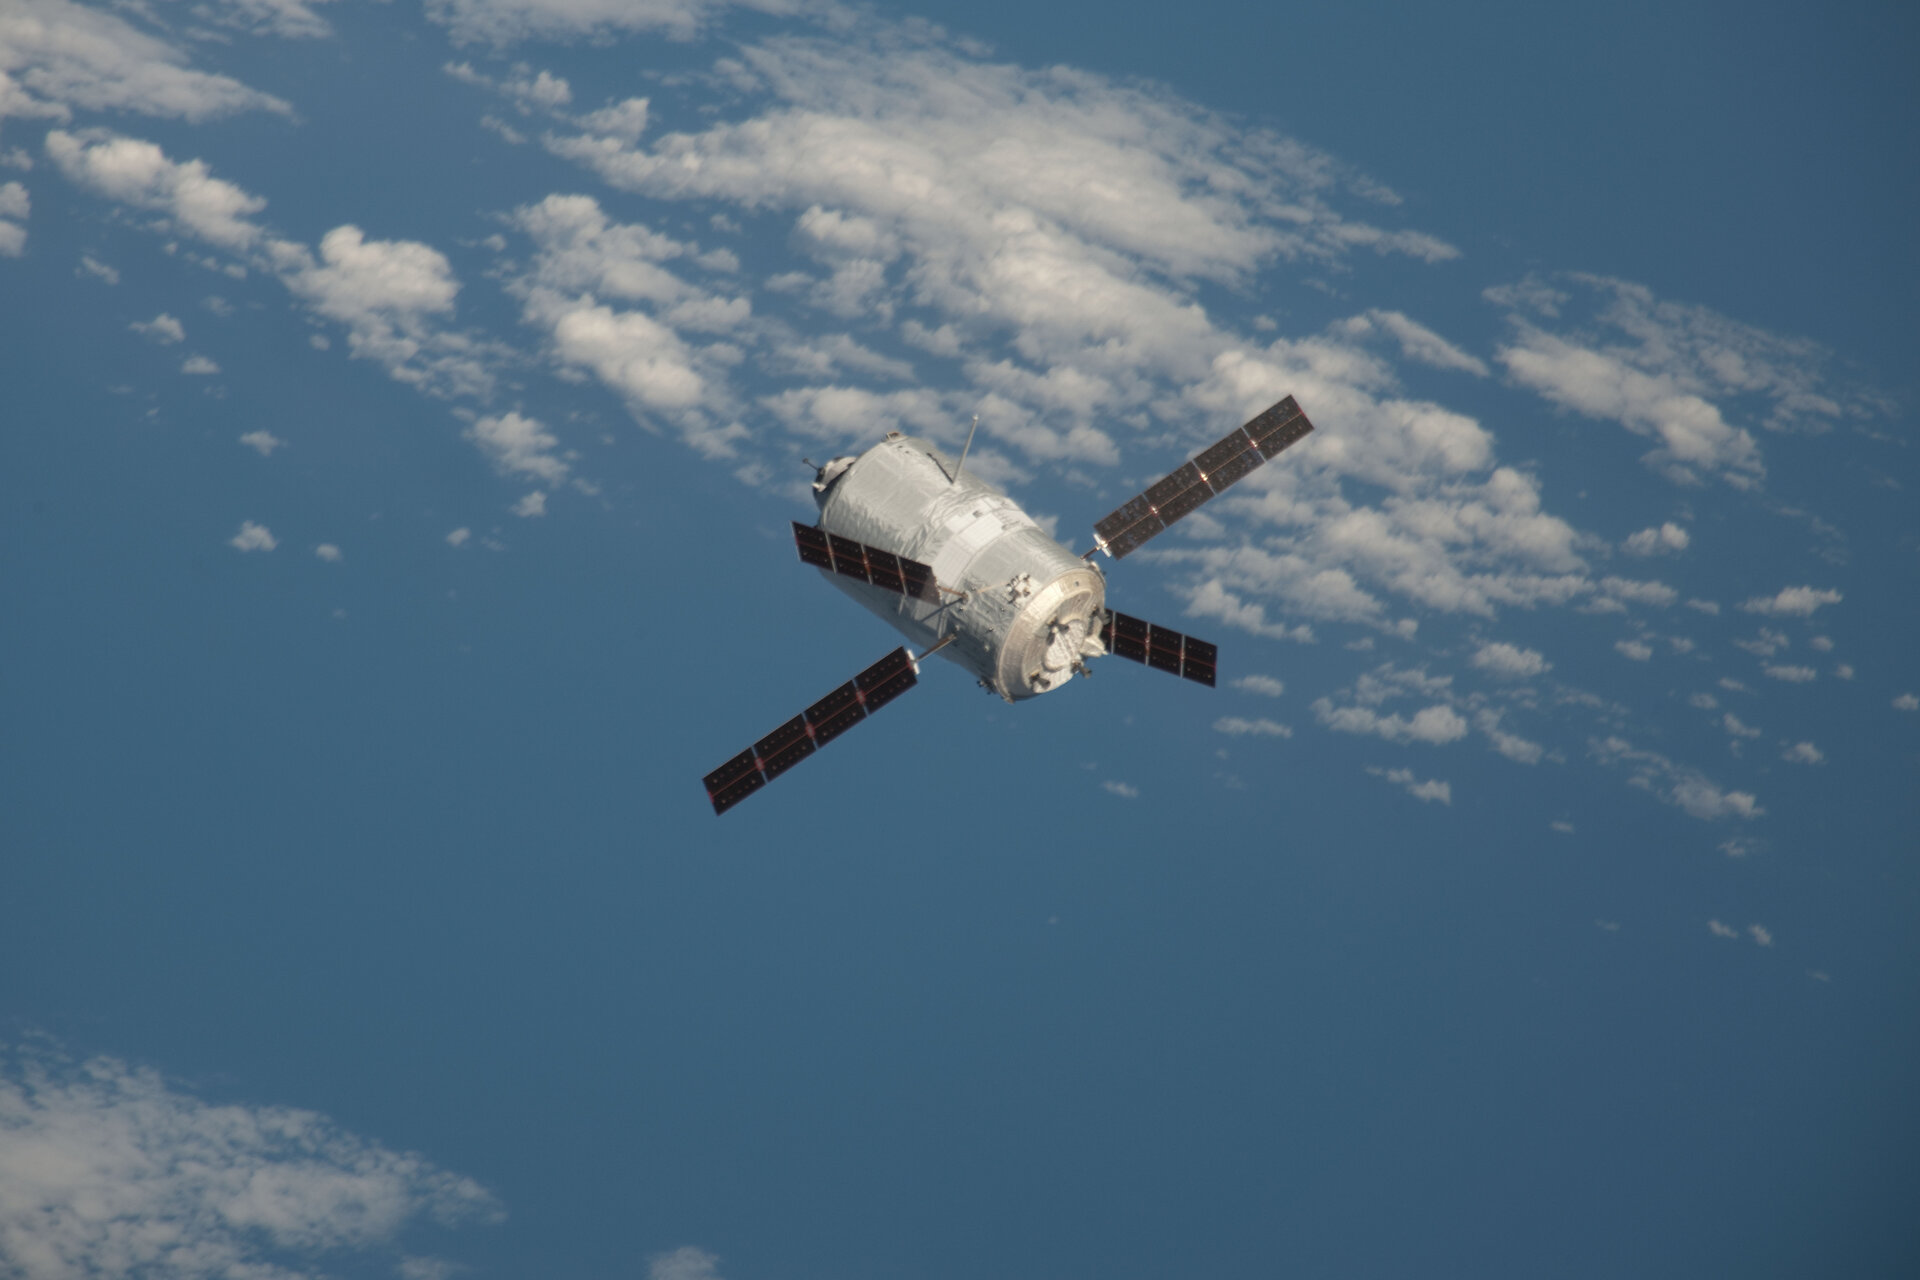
(957, 567)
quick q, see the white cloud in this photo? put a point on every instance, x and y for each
(1692, 434)
(506, 22)
(253, 537)
(1563, 827)
(110, 1170)
(1761, 934)
(1657, 540)
(1265, 686)
(288, 19)
(1795, 602)
(520, 444)
(56, 56)
(1262, 727)
(1735, 847)
(1793, 675)
(1436, 724)
(1906, 702)
(542, 89)
(625, 120)
(14, 201)
(459, 536)
(1719, 930)
(1675, 783)
(1703, 701)
(13, 239)
(1430, 790)
(1765, 643)
(1823, 644)
(1843, 672)
(328, 552)
(1417, 342)
(1072, 217)
(92, 266)
(1634, 649)
(1511, 661)
(1708, 607)
(393, 295)
(199, 366)
(1511, 745)
(1803, 753)
(684, 1263)
(1658, 594)
(263, 442)
(1737, 727)
(138, 173)
(531, 506)
(1121, 789)
(163, 329)
(1670, 371)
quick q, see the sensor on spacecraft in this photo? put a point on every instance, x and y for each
(956, 566)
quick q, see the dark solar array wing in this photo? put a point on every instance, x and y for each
(1155, 646)
(1243, 449)
(812, 729)
(883, 569)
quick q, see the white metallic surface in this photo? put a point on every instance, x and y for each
(1028, 616)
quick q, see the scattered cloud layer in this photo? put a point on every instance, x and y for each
(684, 1263)
(1510, 662)
(1792, 602)
(1239, 727)
(1676, 784)
(110, 1170)
(57, 57)
(1684, 376)
(1659, 540)
(253, 537)
(1430, 790)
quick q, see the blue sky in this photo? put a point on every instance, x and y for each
(402, 420)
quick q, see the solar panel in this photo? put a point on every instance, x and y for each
(1282, 436)
(1159, 647)
(891, 665)
(1197, 663)
(1163, 650)
(813, 546)
(918, 579)
(785, 747)
(724, 798)
(807, 732)
(1126, 636)
(827, 728)
(849, 557)
(1135, 521)
(883, 569)
(732, 771)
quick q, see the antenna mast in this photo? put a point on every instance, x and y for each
(962, 465)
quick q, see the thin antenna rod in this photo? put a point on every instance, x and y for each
(945, 640)
(809, 464)
(963, 452)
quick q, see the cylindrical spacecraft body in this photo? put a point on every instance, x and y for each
(1030, 609)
